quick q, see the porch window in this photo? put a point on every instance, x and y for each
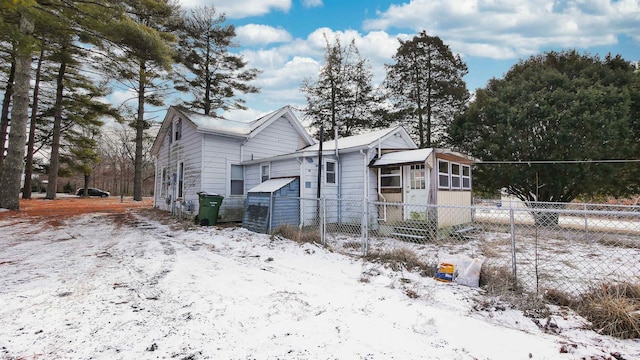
(390, 179)
(265, 171)
(330, 172)
(443, 174)
(180, 179)
(237, 180)
(455, 176)
(466, 177)
(417, 177)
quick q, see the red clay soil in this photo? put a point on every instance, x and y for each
(54, 211)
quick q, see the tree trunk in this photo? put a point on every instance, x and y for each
(137, 175)
(4, 119)
(28, 168)
(14, 162)
(57, 124)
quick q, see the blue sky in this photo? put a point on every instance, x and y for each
(284, 38)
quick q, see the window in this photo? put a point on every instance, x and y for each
(330, 172)
(164, 183)
(466, 177)
(178, 129)
(443, 174)
(417, 177)
(390, 179)
(455, 176)
(237, 180)
(180, 179)
(265, 170)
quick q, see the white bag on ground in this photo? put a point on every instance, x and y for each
(467, 270)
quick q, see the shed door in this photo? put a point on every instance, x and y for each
(416, 191)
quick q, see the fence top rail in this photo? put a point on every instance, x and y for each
(559, 204)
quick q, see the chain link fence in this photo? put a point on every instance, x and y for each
(540, 246)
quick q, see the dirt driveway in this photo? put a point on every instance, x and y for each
(65, 206)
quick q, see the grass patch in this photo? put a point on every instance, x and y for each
(498, 281)
(398, 259)
(294, 233)
(613, 310)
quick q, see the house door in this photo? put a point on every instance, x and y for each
(416, 192)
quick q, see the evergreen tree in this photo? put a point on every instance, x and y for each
(426, 88)
(342, 97)
(556, 107)
(214, 76)
(141, 62)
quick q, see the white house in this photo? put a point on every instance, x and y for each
(383, 165)
(201, 153)
(196, 153)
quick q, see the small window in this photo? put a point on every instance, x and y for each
(265, 170)
(237, 180)
(178, 129)
(390, 179)
(455, 176)
(180, 179)
(330, 172)
(466, 177)
(417, 177)
(164, 183)
(443, 174)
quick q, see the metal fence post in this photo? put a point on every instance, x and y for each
(513, 243)
(323, 220)
(364, 233)
(586, 223)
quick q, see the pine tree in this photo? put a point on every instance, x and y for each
(425, 86)
(342, 97)
(213, 75)
(141, 62)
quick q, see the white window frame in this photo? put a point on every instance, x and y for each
(455, 177)
(446, 175)
(265, 176)
(164, 183)
(466, 178)
(177, 130)
(417, 182)
(327, 172)
(397, 174)
(231, 179)
(180, 179)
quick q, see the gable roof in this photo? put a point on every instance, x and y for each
(230, 128)
(362, 141)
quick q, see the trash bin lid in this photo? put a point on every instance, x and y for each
(205, 193)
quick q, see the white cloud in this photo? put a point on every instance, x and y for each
(514, 28)
(311, 3)
(234, 9)
(256, 34)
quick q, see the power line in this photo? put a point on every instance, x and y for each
(529, 162)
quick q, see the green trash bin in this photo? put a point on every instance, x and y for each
(209, 207)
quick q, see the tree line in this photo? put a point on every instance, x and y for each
(60, 59)
(556, 127)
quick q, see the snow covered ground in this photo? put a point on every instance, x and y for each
(130, 286)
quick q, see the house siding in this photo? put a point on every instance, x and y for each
(280, 137)
(219, 153)
(186, 151)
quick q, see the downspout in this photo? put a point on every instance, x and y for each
(301, 197)
(155, 182)
(338, 174)
(319, 193)
(384, 218)
(365, 203)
